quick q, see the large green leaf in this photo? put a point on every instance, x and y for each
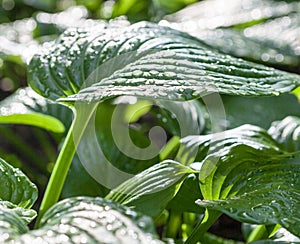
(16, 187)
(116, 145)
(286, 132)
(111, 150)
(145, 60)
(248, 30)
(82, 219)
(196, 148)
(248, 177)
(150, 191)
(27, 107)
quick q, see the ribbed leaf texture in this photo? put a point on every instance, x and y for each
(81, 220)
(145, 60)
(247, 176)
(150, 191)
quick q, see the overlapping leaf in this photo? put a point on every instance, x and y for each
(7, 208)
(245, 29)
(118, 148)
(247, 176)
(195, 148)
(150, 191)
(17, 195)
(145, 60)
(82, 219)
(27, 107)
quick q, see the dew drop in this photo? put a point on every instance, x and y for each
(137, 73)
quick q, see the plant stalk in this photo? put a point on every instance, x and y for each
(202, 227)
(260, 232)
(174, 224)
(83, 113)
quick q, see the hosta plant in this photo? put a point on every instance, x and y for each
(120, 79)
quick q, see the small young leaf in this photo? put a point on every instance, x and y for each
(150, 191)
(78, 220)
(16, 187)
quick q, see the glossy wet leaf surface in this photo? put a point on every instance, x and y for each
(150, 191)
(82, 219)
(16, 187)
(247, 176)
(145, 60)
(245, 29)
(216, 13)
(27, 107)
